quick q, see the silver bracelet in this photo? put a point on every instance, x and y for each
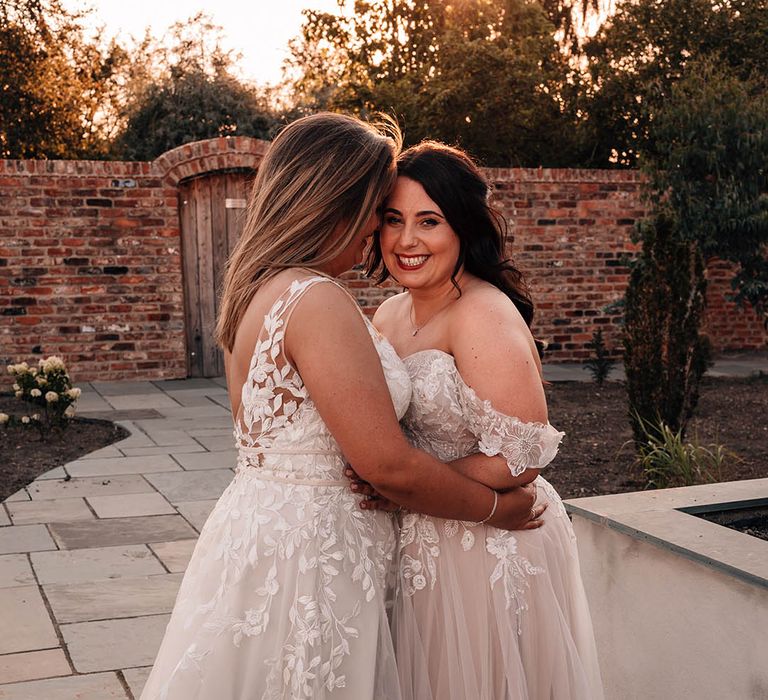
(493, 510)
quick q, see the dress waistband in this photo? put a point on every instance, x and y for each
(259, 472)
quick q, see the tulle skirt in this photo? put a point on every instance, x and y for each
(483, 614)
(284, 597)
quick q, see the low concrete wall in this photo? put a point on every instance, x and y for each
(679, 604)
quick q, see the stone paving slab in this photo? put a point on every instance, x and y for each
(130, 505)
(226, 459)
(216, 444)
(4, 519)
(114, 644)
(20, 495)
(108, 451)
(136, 679)
(163, 450)
(195, 412)
(174, 555)
(15, 571)
(157, 400)
(162, 436)
(196, 512)
(26, 624)
(113, 598)
(192, 398)
(97, 686)
(88, 565)
(59, 509)
(120, 531)
(31, 665)
(89, 486)
(191, 485)
(192, 384)
(122, 465)
(56, 473)
(106, 389)
(16, 539)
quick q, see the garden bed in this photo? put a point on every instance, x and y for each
(24, 456)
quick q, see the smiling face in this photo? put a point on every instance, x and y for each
(418, 245)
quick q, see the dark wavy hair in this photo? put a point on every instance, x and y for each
(454, 182)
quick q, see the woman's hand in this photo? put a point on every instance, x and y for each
(372, 500)
(516, 509)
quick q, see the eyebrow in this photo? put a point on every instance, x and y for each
(426, 212)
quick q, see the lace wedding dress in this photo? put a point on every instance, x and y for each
(484, 614)
(284, 596)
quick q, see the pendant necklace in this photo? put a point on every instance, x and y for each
(412, 317)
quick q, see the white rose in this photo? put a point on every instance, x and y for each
(74, 393)
(4, 418)
(16, 387)
(23, 365)
(51, 397)
(25, 419)
(36, 416)
(53, 363)
(35, 393)
(70, 412)
(18, 394)
(11, 369)
(41, 381)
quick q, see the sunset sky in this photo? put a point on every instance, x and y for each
(259, 30)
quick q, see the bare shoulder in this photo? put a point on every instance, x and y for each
(389, 311)
(484, 309)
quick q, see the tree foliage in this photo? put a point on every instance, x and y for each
(186, 91)
(484, 73)
(665, 354)
(708, 163)
(643, 49)
(53, 82)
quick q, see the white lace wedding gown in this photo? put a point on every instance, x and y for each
(284, 596)
(484, 614)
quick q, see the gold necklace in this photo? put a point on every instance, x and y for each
(412, 317)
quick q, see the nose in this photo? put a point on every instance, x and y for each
(408, 237)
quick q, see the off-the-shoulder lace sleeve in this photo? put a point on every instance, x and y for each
(523, 445)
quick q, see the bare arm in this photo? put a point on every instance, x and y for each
(491, 471)
(329, 344)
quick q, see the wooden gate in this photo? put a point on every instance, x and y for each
(212, 214)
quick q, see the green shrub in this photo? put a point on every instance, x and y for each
(48, 390)
(665, 356)
(599, 365)
(667, 460)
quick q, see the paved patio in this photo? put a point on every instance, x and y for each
(92, 553)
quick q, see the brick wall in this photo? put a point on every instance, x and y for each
(90, 264)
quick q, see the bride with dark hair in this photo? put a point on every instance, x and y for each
(481, 613)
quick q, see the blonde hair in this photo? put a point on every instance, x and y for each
(320, 182)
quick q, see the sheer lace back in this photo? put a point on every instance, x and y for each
(273, 390)
(277, 418)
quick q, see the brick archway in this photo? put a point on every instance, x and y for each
(199, 157)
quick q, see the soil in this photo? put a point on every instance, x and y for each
(24, 455)
(595, 458)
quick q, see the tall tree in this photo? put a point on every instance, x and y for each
(184, 89)
(644, 48)
(484, 73)
(53, 82)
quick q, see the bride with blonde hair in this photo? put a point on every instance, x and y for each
(285, 593)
